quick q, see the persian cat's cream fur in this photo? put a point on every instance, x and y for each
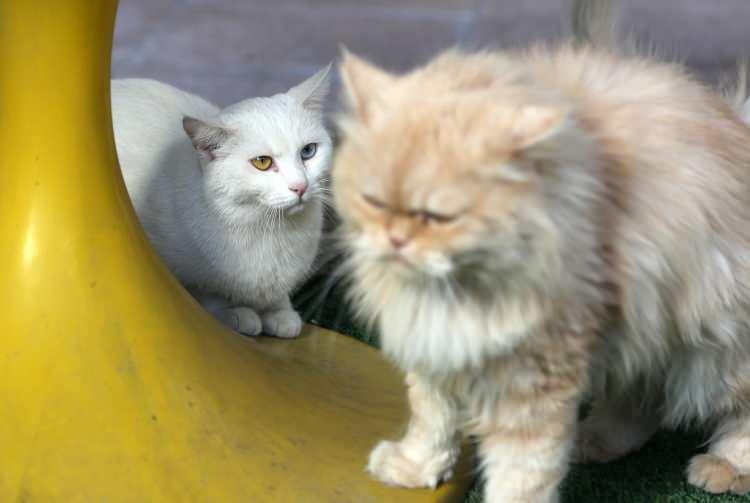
(516, 221)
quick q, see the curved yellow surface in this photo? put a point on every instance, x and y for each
(114, 385)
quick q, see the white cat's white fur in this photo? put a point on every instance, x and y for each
(238, 238)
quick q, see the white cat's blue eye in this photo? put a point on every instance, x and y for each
(308, 151)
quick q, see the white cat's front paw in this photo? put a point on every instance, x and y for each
(285, 323)
(390, 463)
(242, 319)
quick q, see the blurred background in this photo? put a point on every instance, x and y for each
(228, 50)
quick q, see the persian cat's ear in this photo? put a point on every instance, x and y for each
(205, 137)
(312, 92)
(534, 125)
(363, 83)
(533, 132)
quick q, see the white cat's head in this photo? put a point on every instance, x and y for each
(264, 154)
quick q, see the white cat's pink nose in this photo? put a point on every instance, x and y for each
(299, 188)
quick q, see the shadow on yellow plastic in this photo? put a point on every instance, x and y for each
(114, 384)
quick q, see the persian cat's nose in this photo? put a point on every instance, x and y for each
(397, 242)
(299, 189)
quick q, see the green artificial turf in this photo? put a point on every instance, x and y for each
(653, 475)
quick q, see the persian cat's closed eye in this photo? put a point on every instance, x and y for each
(516, 219)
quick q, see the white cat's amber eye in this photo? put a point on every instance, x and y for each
(308, 151)
(262, 162)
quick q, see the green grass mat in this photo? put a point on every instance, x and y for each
(653, 475)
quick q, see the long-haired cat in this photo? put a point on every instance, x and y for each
(517, 220)
(230, 199)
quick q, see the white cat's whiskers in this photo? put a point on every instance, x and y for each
(278, 216)
(265, 222)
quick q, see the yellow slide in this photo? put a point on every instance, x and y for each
(114, 384)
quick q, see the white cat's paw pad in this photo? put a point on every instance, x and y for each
(390, 465)
(284, 324)
(245, 320)
(716, 475)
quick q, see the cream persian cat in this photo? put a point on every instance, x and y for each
(516, 221)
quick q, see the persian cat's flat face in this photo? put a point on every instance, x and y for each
(432, 182)
(417, 209)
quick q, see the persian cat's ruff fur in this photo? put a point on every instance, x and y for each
(517, 221)
(231, 199)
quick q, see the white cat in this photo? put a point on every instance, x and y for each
(231, 199)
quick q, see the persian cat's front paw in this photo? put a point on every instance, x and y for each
(242, 319)
(285, 323)
(390, 463)
(717, 475)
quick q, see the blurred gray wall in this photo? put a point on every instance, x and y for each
(227, 50)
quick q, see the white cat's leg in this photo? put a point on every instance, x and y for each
(614, 428)
(282, 320)
(239, 318)
(726, 465)
(426, 454)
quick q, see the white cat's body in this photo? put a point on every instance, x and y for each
(235, 251)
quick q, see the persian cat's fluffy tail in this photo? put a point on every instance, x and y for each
(735, 89)
(596, 22)
(742, 90)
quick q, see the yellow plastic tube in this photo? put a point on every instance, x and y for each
(114, 385)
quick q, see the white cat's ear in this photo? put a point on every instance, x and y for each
(312, 93)
(206, 138)
(536, 124)
(363, 83)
